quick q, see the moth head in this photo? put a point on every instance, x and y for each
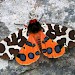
(34, 26)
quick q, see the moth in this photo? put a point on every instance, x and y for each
(27, 44)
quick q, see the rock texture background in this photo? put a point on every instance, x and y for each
(51, 11)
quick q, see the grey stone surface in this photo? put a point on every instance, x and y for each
(4, 31)
(20, 12)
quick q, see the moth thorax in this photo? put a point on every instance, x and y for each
(34, 27)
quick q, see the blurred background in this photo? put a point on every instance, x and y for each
(15, 13)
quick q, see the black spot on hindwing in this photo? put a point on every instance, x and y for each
(22, 57)
(58, 48)
(31, 55)
(37, 53)
(49, 50)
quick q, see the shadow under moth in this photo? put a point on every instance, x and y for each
(27, 44)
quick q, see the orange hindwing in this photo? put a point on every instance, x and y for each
(31, 51)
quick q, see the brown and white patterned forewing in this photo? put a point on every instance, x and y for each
(10, 46)
(63, 35)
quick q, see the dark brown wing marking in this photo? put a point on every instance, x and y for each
(48, 33)
(5, 56)
(72, 34)
(61, 41)
(2, 48)
(57, 30)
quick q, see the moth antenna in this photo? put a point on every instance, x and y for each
(18, 24)
(25, 26)
(41, 17)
